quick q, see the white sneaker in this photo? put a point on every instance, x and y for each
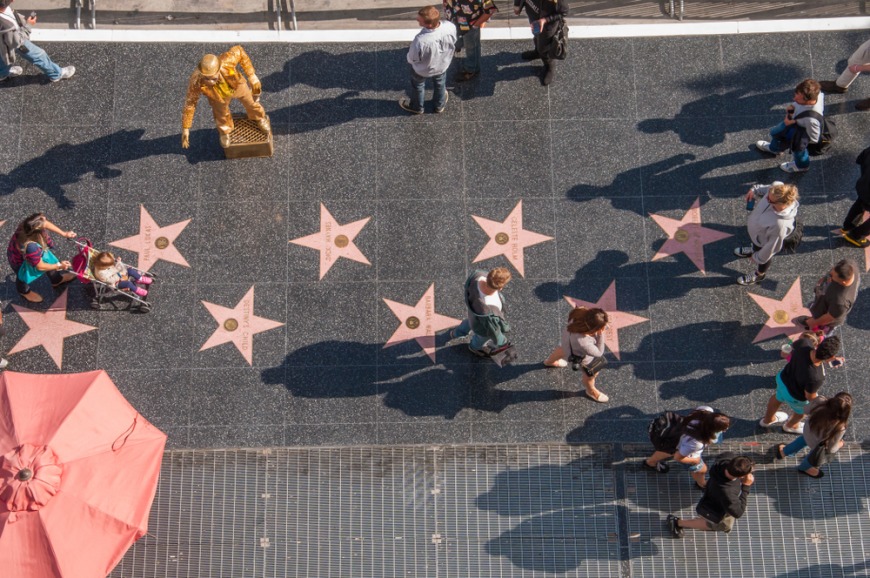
(66, 72)
(13, 72)
(790, 167)
(778, 418)
(764, 146)
(4, 363)
(799, 429)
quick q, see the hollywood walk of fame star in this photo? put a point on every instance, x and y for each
(618, 319)
(154, 243)
(687, 236)
(419, 322)
(334, 241)
(781, 313)
(238, 325)
(508, 238)
(48, 329)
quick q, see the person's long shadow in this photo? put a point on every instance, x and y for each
(562, 514)
(737, 110)
(416, 389)
(66, 164)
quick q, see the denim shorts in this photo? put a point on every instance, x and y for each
(785, 397)
(697, 467)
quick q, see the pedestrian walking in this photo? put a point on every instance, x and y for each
(15, 40)
(545, 19)
(30, 255)
(799, 382)
(834, 297)
(858, 62)
(823, 434)
(486, 312)
(701, 428)
(855, 228)
(430, 55)
(802, 125)
(772, 220)
(583, 346)
(469, 16)
(724, 500)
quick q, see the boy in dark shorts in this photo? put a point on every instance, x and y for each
(724, 499)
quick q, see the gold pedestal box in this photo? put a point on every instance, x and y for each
(247, 140)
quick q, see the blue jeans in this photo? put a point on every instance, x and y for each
(794, 447)
(477, 341)
(36, 56)
(418, 87)
(470, 42)
(780, 136)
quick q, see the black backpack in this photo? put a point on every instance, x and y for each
(665, 431)
(829, 133)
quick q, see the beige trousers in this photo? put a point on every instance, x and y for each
(860, 56)
(223, 118)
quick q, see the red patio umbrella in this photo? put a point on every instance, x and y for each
(78, 474)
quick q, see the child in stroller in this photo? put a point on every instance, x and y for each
(111, 271)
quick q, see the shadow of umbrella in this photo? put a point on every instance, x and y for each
(78, 474)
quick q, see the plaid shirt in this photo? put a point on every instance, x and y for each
(464, 13)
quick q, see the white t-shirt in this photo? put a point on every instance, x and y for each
(690, 447)
(493, 300)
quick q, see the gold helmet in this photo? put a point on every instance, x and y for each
(209, 65)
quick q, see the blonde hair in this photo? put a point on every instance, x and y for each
(102, 260)
(498, 278)
(786, 194)
(430, 15)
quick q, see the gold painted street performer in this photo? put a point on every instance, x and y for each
(218, 78)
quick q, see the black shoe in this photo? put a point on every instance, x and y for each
(549, 73)
(674, 526)
(464, 76)
(831, 87)
(530, 55)
(857, 241)
(660, 467)
(863, 104)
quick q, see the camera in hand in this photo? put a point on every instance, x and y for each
(576, 362)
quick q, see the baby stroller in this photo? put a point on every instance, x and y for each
(100, 291)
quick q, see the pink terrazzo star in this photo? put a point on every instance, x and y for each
(238, 325)
(48, 329)
(334, 241)
(154, 243)
(687, 236)
(508, 238)
(781, 313)
(618, 319)
(419, 322)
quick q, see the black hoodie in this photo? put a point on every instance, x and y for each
(723, 495)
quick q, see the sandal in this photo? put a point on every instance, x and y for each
(780, 454)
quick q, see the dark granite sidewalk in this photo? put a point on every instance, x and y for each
(630, 128)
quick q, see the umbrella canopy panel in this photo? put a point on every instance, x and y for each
(78, 474)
